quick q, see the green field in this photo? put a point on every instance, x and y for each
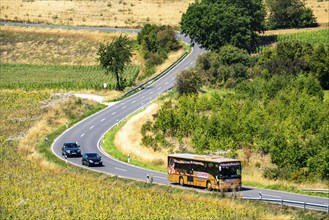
(36, 77)
(314, 37)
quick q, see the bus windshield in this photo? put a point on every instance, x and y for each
(230, 171)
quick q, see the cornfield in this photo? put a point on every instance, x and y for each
(315, 37)
(38, 77)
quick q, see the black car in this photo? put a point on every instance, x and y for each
(71, 149)
(91, 159)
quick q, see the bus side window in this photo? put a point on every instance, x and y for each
(199, 168)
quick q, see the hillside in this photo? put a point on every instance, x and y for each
(117, 13)
(36, 101)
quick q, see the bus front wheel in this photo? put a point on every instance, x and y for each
(181, 181)
(209, 186)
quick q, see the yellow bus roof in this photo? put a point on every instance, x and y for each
(210, 158)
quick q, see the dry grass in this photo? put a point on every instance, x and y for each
(116, 13)
(172, 57)
(51, 119)
(53, 46)
(128, 139)
(320, 10)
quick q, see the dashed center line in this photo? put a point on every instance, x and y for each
(123, 107)
(142, 97)
(113, 113)
(103, 119)
(133, 101)
(82, 135)
(151, 93)
(91, 127)
(159, 88)
(120, 169)
(166, 83)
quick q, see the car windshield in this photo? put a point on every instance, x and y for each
(71, 145)
(230, 171)
(92, 156)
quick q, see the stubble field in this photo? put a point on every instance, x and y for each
(112, 13)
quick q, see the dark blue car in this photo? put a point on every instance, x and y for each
(92, 159)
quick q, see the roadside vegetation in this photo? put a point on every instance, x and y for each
(274, 107)
(156, 43)
(32, 187)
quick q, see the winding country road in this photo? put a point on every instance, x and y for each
(90, 131)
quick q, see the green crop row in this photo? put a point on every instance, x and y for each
(313, 37)
(36, 77)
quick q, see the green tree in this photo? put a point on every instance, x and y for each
(188, 81)
(289, 14)
(156, 42)
(319, 63)
(114, 56)
(229, 64)
(214, 24)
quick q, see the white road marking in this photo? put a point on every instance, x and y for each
(159, 88)
(103, 119)
(91, 127)
(82, 135)
(120, 169)
(191, 63)
(160, 177)
(185, 68)
(113, 113)
(173, 78)
(166, 83)
(142, 97)
(133, 102)
(151, 93)
(123, 107)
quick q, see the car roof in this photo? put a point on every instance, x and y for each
(90, 153)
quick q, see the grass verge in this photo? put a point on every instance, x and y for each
(110, 148)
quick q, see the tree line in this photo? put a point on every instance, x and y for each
(215, 23)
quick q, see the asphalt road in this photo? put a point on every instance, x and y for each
(90, 131)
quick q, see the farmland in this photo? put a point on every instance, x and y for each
(37, 77)
(117, 13)
(314, 37)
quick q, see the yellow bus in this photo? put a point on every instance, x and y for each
(212, 172)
